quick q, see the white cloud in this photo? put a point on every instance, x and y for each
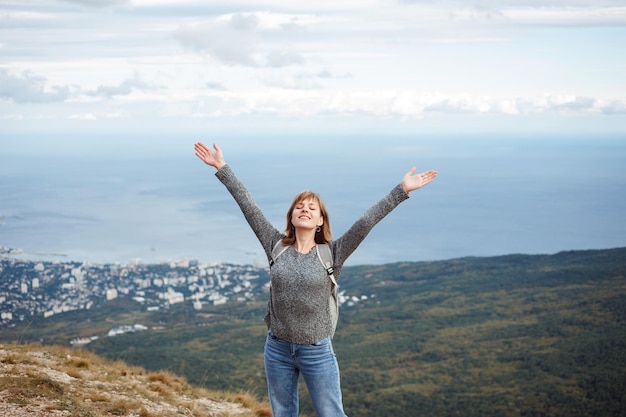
(565, 12)
(9, 17)
(231, 41)
(584, 16)
(614, 107)
(292, 81)
(124, 88)
(115, 115)
(278, 59)
(11, 117)
(83, 116)
(98, 3)
(211, 85)
(463, 104)
(29, 88)
(306, 102)
(274, 21)
(214, 59)
(236, 39)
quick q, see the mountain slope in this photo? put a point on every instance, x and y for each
(44, 381)
(515, 335)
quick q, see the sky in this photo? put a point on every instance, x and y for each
(201, 68)
(490, 93)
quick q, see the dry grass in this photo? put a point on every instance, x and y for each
(47, 381)
(249, 401)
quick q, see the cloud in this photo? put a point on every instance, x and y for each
(528, 12)
(215, 86)
(126, 87)
(547, 103)
(83, 116)
(232, 41)
(292, 97)
(567, 16)
(29, 88)
(282, 59)
(292, 81)
(237, 39)
(386, 60)
(462, 104)
(570, 103)
(614, 107)
(98, 3)
(301, 80)
(330, 75)
(12, 117)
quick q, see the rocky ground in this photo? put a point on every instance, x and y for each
(53, 381)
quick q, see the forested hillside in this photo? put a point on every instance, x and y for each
(517, 335)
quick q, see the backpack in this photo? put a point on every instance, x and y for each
(326, 258)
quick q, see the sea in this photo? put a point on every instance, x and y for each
(496, 196)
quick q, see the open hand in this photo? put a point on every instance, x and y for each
(412, 181)
(212, 157)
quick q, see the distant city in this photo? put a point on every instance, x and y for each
(30, 289)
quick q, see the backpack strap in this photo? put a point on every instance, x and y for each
(326, 258)
(277, 250)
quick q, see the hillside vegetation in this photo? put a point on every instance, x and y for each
(517, 335)
(40, 380)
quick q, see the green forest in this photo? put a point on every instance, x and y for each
(515, 335)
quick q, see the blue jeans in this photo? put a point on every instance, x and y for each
(284, 361)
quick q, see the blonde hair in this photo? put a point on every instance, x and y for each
(324, 235)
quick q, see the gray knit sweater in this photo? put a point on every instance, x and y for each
(298, 308)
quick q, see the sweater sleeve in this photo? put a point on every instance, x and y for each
(267, 234)
(345, 245)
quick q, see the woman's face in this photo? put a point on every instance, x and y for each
(306, 215)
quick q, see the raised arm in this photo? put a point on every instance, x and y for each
(352, 238)
(261, 226)
(212, 157)
(412, 181)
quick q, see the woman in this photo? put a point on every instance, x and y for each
(299, 317)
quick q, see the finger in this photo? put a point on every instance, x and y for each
(201, 147)
(428, 176)
(200, 150)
